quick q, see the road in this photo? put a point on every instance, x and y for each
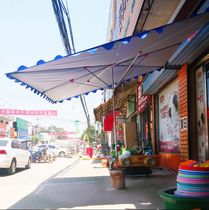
(15, 187)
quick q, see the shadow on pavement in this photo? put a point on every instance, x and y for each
(3, 172)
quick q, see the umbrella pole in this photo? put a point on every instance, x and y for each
(114, 124)
(114, 116)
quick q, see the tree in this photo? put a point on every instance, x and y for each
(89, 135)
(35, 138)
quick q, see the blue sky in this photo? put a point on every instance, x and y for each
(29, 32)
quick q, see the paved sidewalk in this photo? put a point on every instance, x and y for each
(91, 182)
(87, 185)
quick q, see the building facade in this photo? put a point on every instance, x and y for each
(166, 116)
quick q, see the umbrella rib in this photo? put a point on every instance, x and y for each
(93, 73)
(148, 53)
(74, 82)
(51, 70)
(141, 55)
(126, 72)
(79, 83)
(139, 66)
(92, 85)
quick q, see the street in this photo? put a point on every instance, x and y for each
(16, 187)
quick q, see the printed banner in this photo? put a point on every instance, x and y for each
(169, 121)
(28, 112)
(60, 133)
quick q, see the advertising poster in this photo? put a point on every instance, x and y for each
(169, 120)
(201, 116)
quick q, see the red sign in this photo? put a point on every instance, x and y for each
(28, 112)
(142, 100)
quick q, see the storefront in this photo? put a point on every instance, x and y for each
(125, 110)
(194, 53)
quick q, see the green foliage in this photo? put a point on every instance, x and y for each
(35, 139)
(89, 135)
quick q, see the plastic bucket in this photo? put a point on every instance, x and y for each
(184, 203)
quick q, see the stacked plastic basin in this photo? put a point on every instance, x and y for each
(193, 180)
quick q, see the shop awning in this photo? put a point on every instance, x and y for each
(107, 107)
(112, 63)
(120, 100)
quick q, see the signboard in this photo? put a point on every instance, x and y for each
(124, 16)
(22, 133)
(28, 112)
(184, 123)
(169, 120)
(142, 100)
(22, 128)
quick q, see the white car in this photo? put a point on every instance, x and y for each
(13, 155)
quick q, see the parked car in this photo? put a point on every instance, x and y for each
(13, 155)
(59, 152)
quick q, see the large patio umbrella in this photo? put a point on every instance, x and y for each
(107, 65)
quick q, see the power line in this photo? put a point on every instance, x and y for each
(59, 8)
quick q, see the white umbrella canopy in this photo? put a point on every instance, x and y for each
(112, 63)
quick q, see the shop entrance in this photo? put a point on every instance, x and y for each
(144, 125)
